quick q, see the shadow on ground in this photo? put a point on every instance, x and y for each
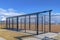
(45, 38)
(20, 37)
(25, 36)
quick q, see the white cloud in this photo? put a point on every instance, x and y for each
(9, 12)
(3, 18)
(55, 13)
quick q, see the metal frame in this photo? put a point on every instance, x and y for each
(29, 22)
(37, 16)
(12, 23)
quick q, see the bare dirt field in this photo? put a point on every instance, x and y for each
(54, 27)
(9, 35)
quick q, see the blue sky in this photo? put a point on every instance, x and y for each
(16, 7)
(29, 6)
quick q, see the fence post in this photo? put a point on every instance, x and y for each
(29, 22)
(6, 22)
(12, 22)
(42, 24)
(9, 23)
(25, 23)
(21, 23)
(17, 23)
(37, 24)
(50, 20)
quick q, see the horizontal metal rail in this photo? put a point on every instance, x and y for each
(31, 14)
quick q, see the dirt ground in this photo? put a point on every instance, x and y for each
(54, 27)
(10, 35)
(57, 37)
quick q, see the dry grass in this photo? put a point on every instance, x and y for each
(54, 27)
(57, 37)
(9, 35)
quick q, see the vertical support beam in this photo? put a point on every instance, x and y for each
(50, 20)
(42, 23)
(6, 22)
(25, 23)
(21, 23)
(12, 22)
(1, 24)
(43, 27)
(17, 22)
(29, 22)
(9, 23)
(37, 24)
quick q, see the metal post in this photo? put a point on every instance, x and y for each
(29, 22)
(50, 21)
(42, 23)
(25, 23)
(1, 24)
(17, 23)
(37, 24)
(6, 23)
(9, 23)
(12, 22)
(21, 23)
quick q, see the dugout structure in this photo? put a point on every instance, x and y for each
(34, 23)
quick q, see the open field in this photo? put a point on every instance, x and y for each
(10, 35)
(57, 37)
(14, 35)
(54, 27)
